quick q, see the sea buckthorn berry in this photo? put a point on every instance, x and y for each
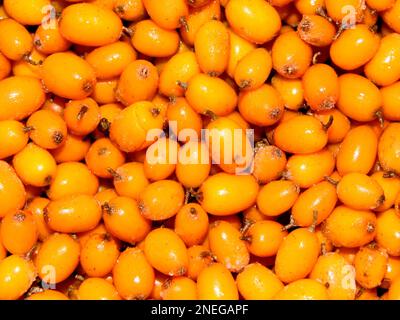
(167, 194)
(359, 98)
(179, 288)
(215, 282)
(303, 289)
(166, 252)
(357, 152)
(350, 228)
(130, 180)
(180, 112)
(211, 46)
(48, 295)
(253, 69)
(18, 232)
(306, 170)
(99, 255)
(103, 157)
(169, 14)
(193, 165)
(97, 289)
(73, 149)
(391, 189)
(263, 238)
(340, 125)
(391, 16)
(14, 137)
(109, 61)
(130, 10)
(27, 13)
(47, 129)
(139, 74)
(130, 128)
(104, 91)
(387, 230)
(269, 163)
(316, 30)
(177, 72)
(22, 95)
(82, 116)
(256, 21)
(73, 213)
(359, 191)
(16, 276)
(12, 190)
(370, 264)
(161, 159)
(388, 148)
(321, 87)
(57, 258)
(262, 106)
(68, 76)
(224, 194)
(191, 224)
(337, 13)
(337, 275)
(123, 220)
(301, 135)
(204, 95)
(153, 41)
(314, 205)
(300, 245)
(354, 47)
(257, 282)
(16, 42)
(37, 207)
(50, 40)
(291, 56)
(277, 197)
(133, 276)
(291, 91)
(228, 247)
(90, 25)
(384, 68)
(72, 178)
(35, 165)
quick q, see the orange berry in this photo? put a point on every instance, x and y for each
(166, 252)
(133, 276)
(90, 25)
(123, 220)
(256, 21)
(215, 282)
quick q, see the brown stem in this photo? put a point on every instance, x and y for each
(82, 112)
(327, 125)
